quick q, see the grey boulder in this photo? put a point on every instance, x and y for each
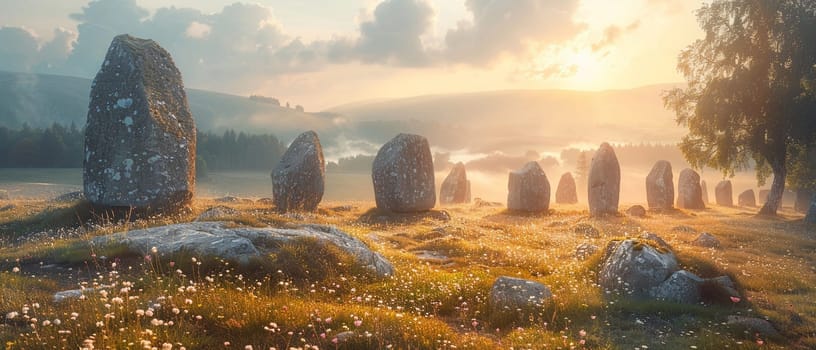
(240, 244)
(140, 137)
(706, 240)
(528, 189)
(632, 268)
(509, 294)
(603, 182)
(403, 175)
(681, 287)
(298, 180)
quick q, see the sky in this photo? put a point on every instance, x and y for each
(321, 54)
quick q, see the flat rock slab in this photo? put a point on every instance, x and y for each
(510, 294)
(241, 244)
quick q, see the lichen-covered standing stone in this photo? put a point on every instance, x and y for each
(566, 192)
(403, 175)
(456, 187)
(299, 178)
(140, 137)
(689, 191)
(528, 189)
(724, 194)
(603, 182)
(660, 186)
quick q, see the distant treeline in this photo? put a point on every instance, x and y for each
(63, 147)
(54, 147)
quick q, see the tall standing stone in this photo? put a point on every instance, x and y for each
(603, 182)
(403, 175)
(140, 137)
(704, 188)
(689, 191)
(299, 178)
(528, 189)
(567, 191)
(660, 186)
(724, 194)
(747, 199)
(456, 187)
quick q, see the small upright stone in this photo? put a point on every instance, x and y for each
(724, 194)
(299, 178)
(566, 192)
(704, 188)
(140, 137)
(660, 186)
(403, 175)
(689, 192)
(603, 182)
(528, 189)
(456, 187)
(747, 199)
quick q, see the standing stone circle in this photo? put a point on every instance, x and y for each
(603, 182)
(724, 193)
(403, 175)
(689, 191)
(528, 189)
(456, 187)
(567, 191)
(299, 178)
(747, 199)
(660, 186)
(140, 137)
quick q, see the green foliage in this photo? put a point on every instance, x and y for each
(746, 98)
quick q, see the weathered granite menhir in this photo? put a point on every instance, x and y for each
(140, 137)
(403, 175)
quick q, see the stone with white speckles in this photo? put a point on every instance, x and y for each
(299, 178)
(403, 175)
(136, 155)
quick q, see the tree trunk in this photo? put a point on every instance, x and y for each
(777, 189)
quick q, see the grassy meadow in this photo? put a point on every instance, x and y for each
(434, 301)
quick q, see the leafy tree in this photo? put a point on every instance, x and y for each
(747, 98)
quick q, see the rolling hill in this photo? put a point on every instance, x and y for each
(473, 124)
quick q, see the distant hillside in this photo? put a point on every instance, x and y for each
(40, 99)
(471, 125)
(519, 120)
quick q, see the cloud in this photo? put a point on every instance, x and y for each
(242, 46)
(612, 34)
(394, 33)
(19, 49)
(508, 27)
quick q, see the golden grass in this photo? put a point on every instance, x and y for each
(425, 305)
